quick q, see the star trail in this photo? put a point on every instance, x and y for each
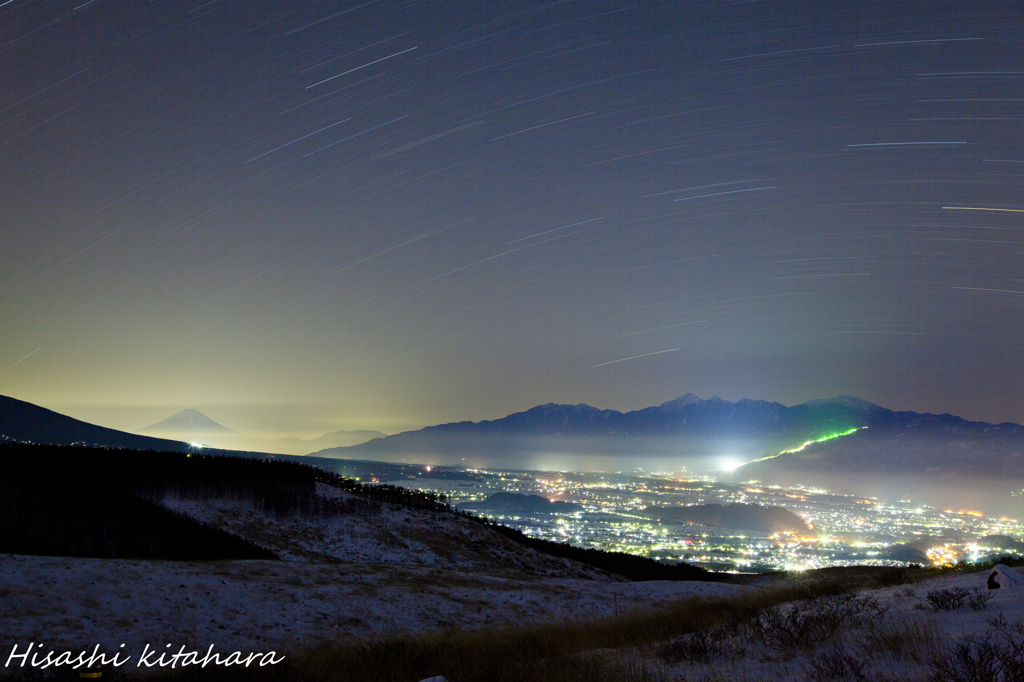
(309, 216)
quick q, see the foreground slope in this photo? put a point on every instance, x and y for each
(289, 605)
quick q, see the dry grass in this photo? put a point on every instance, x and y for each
(901, 638)
(596, 651)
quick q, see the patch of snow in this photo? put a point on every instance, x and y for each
(261, 605)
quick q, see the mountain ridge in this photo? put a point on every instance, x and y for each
(691, 416)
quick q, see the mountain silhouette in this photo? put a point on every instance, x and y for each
(188, 421)
(688, 428)
(691, 416)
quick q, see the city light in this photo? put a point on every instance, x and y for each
(620, 512)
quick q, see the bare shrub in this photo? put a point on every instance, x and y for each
(1018, 626)
(900, 639)
(1013, 662)
(795, 626)
(702, 646)
(969, 660)
(978, 600)
(998, 622)
(633, 669)
(836, 663)
(948, 599)
(737, 621)
(870, 606)
(805, 623)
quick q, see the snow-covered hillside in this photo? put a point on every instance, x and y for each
(369, 531)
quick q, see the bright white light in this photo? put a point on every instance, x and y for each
(731, 463)
(196, 446)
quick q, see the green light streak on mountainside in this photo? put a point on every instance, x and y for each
(831, 436)
(823, 439)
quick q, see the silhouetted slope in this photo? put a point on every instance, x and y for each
(70, 501)
(22, 421)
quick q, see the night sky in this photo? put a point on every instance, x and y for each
(303, 217)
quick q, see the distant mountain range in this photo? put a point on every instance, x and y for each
(843, 443)
(689, 428)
